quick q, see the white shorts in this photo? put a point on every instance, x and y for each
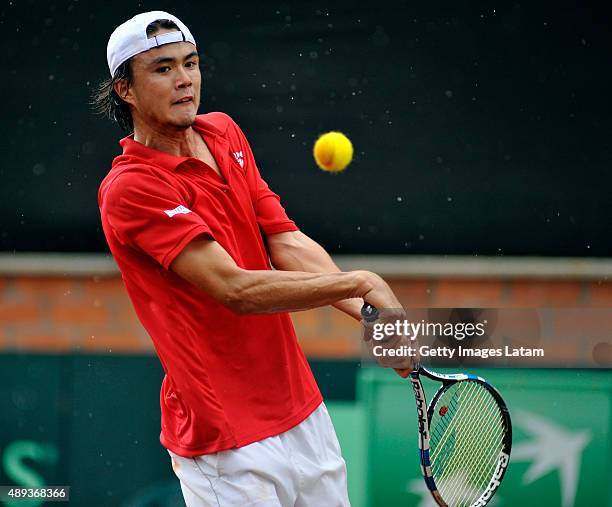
(302, 467)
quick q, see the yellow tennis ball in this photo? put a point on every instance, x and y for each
(333, 152)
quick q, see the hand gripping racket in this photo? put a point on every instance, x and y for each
(465, 435)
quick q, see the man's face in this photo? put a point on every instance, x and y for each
(165, 88)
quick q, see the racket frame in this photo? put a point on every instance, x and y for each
(424, 417)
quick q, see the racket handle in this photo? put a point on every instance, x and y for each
(369, 312)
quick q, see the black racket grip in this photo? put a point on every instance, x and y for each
(369, 312)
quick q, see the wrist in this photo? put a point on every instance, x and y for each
(362, 283)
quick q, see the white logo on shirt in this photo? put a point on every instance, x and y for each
(179, 210)
(239, 158)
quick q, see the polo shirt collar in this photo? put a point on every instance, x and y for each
(167, 160)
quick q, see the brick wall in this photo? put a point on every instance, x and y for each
(64, 314)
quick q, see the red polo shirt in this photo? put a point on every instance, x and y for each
(230, 379)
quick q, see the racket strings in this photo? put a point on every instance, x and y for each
(490, 451)
(445, 439)
(486, 439)
(459, 453)
(464, 481)
(460, 482)
(449, 434)
(466, 439)
(485, 472)
(459, 490)
(440, 432)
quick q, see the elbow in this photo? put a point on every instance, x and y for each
(237, 299)
(289, 255)
(237, 304)
(239, 290)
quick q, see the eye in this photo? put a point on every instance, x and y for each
(191, 64)
(162, 70)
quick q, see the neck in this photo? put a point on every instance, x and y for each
(178, 142)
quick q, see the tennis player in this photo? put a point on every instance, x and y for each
(195, 231)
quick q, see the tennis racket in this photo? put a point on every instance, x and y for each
(465, 435)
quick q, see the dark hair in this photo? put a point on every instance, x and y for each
(105, 100)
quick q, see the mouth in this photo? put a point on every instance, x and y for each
(184, 100)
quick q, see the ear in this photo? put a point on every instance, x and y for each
(124, 90)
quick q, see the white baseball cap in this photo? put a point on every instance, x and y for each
(130, 38)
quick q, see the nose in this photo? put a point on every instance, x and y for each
(183, 79)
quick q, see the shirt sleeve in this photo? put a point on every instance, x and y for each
(150, 215)
(271, 216)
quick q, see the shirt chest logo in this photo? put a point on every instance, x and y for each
(179, 210)
(239, 158)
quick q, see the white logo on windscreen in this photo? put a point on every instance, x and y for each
(179, 210)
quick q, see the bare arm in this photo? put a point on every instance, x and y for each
(208, 266)
(295, 251)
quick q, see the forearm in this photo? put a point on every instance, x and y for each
(298, 252)
(285, 291)
(316, 259)
(205, 264)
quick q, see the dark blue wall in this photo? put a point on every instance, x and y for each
(479, 127)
